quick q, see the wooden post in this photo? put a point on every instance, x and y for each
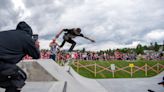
(77, 66)
(95, 70)
(158, 67)
(113, 73)
(131, 71)
(145, 69)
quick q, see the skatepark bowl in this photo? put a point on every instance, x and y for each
(47, 76)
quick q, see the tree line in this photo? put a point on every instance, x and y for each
(138, 50)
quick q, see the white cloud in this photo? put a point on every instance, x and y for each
(19, 6)
(112, 23)
(44, 44)
(155, 35)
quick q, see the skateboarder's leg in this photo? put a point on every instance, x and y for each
(62, 43)
(73, 44)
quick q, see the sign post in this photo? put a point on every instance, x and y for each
(131, 69)
(113, 67)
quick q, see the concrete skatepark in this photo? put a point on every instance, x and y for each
(47, 76)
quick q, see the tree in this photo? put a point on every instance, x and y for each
(83, 50)
(151, 47)
(124, 50)
(139, 49)
(156, 46)
(145, 47)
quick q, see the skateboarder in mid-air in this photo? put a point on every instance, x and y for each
(69, 34)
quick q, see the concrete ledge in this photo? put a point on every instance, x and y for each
(35, 72)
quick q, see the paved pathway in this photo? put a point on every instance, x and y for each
(133, 84)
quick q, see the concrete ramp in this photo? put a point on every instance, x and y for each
(43, 87)
(48, 76)
(39, 79)
(91, 83)
(63, 81)
(35, 72)
(61, 75)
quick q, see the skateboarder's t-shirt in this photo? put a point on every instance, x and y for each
(70, 34)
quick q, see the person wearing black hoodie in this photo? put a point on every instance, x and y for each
(14, 45)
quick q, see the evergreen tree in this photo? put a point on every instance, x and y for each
(83, 50)
(145, 47)
(139, 49)
(156, 46)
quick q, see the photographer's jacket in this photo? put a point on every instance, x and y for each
(15, 44)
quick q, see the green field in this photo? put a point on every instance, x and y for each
(118, 74)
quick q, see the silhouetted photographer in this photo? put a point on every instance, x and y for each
(14, 45)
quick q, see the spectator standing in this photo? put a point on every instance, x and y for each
(53, 49)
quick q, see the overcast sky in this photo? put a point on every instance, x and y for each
(112, 23)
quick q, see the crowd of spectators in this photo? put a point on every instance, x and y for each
(90, 55)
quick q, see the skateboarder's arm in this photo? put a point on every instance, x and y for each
(89, 39)
(59, 33)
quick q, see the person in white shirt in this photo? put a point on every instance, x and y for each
(53, 49)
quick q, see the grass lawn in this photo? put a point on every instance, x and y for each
(119, 74)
